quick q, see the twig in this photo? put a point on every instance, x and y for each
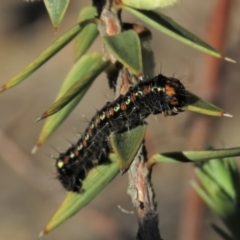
(143, 198)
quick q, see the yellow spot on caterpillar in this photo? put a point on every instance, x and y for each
(86, 136)
(154, 88)
(128, 101)
(60, 164)
(80, 146)
(159, 89)
(92, 126)
(102, 116)
(72, 155)
(138, 93)
(116, 108)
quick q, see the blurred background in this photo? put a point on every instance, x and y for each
(30, 193)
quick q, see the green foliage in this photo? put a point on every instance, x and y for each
(220, 189)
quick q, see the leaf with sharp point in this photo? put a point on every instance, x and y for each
(196, 104)
(193, 156)
(169, 27)
(126, 48)
(86, 37)
(56, 10)
(73, 89)
(97, 179)
(44, 56)
(126, 145)
(143, 4)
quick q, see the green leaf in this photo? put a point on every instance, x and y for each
(194, 156)
(221, 202)
(126, 48)
(97, 179)
(166, 25)
(196, 104)
(126, 145)
(220, 187)
(44, 56)
(216, 199)
(56, 10)
(86, 37)
(220, 173)
(73, 89)
(143, 4)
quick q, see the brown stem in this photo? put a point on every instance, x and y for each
(143, 198)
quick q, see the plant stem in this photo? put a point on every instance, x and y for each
(140, 187)
(143, 198)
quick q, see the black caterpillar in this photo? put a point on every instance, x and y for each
(159, 94)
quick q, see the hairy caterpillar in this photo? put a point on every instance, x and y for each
(156, 95)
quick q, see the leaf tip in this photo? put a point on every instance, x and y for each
(140, 75)
(38, 119)
(230, 60)
(36, 147)
(42, 233)
(56, 29)
(227, 115)
(3, 88)
(44, 115)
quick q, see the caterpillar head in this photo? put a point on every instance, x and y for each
(172, 95)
